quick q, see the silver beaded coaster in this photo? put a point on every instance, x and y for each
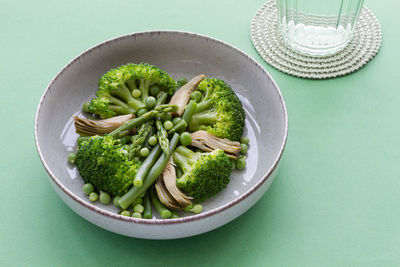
(268, 42)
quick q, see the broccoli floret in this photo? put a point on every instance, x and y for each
(115, 93)
(102, 162)
(204, 174)
(220, 111)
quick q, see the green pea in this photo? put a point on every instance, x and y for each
(136, 215)
(144, 152)
(153, 140)
(168, 125)
(196, 208)
(93, 197)
(196, 96)
(151, 102)
(116, 202)
(72, 158)
(176, 120)
(154, 89)
(181, 81)
(136, 93)
(241, 163)
(138, 208)
(243, 148)
(104, 197)
(244, 140)
(126, 213)
(88, 188)
(141, 111)
(85, 107)
(186, 139)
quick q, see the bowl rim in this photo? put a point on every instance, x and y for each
(195, 217)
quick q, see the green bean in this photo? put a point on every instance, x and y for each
(189, 111)
(176, 120)
(146, 165)
(181, 125)
(151, 176)
(147, 213)
(162, 210)
(162, 136)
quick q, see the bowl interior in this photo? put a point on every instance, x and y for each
(180, 54)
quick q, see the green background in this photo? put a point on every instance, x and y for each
(335, 201)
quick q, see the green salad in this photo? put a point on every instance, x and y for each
(150, 141)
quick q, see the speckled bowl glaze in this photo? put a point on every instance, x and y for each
(180, 54)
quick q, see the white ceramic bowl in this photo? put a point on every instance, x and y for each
(180, 54)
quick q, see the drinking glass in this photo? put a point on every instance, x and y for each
(318, 27)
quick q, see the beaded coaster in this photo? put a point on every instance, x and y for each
(269, 44)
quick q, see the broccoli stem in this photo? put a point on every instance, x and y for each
(164, 212)
(204, 105)
(151, 176)
(147, 214)
(119, 106)
(189, 111)
(146, 165)
(162, 136)
(131, 84)
(201, 119)
(125, 94)
(144, 86)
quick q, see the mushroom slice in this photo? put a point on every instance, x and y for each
(89, 127)
(208, 142)
(181, 97)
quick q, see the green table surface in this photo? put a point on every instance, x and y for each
(335, 201)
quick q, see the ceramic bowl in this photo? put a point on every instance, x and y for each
(180, 54)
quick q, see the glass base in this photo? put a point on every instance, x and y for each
(316, 40)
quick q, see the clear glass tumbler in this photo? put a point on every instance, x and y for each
(318, 27)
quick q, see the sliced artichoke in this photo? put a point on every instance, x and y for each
(208, 142)
(87, 127)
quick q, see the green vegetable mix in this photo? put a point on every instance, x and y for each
(139, 165)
